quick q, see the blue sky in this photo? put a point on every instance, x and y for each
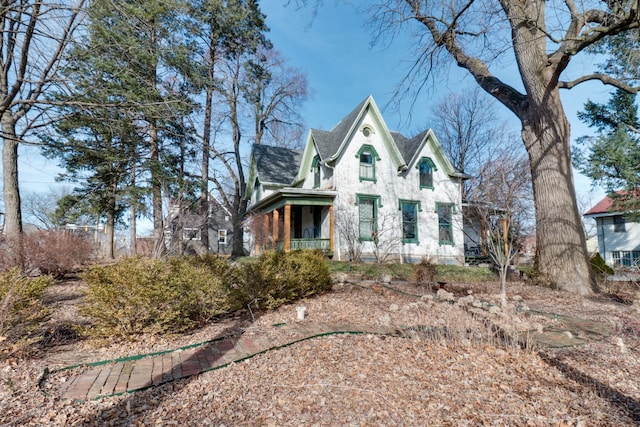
(334, 49)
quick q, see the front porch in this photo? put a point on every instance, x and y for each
(292, 219)
(323, 245)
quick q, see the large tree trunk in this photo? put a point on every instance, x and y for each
(237, 215)
(561, 241)
(204, 183)
(11, 190)
(546, 133)
(156, 193)
(109, 237)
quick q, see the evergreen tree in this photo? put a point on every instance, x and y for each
(612, 157)
(221, 30)
(124, 113)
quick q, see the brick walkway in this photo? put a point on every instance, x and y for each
(127, 376)
(133, 374)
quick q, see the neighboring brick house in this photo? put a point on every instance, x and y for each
(358, 191)
(618, 236)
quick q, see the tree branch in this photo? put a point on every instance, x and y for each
(503, 92)
(604, 78)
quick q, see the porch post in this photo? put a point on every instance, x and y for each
(265, 232)
(256, 234)
(287, 228)
(276, 218)
(331, 228)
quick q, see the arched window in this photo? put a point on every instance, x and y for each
(257, 189)
(426, 167)
(368, 157)
(315, 168)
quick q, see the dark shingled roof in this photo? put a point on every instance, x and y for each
(280, 165)
(276, 164)
(408, 146)
(328, 143)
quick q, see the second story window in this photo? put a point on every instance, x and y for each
(367, 156)
(426, 168)
(315, 168)
(619, 224)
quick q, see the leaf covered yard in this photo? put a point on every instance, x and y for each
(453, 370)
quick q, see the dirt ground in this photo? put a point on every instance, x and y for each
(462, 360)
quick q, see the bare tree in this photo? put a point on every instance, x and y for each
(504, 210)
(387, 236)
(41, 207)
(348, 227)
(276, 93)
(471, 132)
(33, 38)
(543, 37)
(255, 87)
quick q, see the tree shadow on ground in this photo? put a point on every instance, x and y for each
(627, 405)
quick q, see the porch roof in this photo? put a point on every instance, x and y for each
(295, 196)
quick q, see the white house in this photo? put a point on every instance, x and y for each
(618, 238)
(358, 191)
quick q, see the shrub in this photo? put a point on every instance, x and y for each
(424, 272)
(56, 252)
(138, 296)
(278, 278)
(600, 267)
(21, 307)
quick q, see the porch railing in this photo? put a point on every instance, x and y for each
(321, 244)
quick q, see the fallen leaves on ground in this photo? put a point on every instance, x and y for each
(453, 375)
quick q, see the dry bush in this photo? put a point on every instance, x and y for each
(622, 291)
(278, 278)
(424, 272)
(137, 296)
(56, 252)
(453, 325)
(21, 306)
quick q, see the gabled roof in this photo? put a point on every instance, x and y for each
(331, 144)
(408, 146)
(607, 206)
(602, 207)
(328, 143)
(286, 167)
(276, 165)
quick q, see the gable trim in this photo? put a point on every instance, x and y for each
(438, 153)
(387, 139)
